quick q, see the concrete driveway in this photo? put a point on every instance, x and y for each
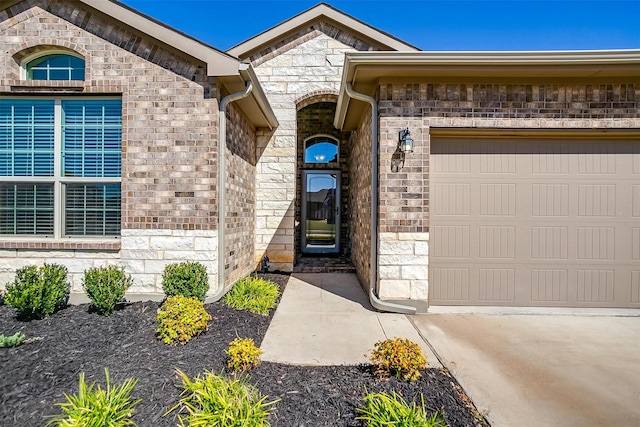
(528, 370)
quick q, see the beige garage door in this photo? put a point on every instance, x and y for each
(534, 222)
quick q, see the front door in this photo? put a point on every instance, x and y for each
(320, 211)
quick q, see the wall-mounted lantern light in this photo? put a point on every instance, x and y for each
(406, 142)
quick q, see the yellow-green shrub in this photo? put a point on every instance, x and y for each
(180, 319)
(398, 357)
(243, 355)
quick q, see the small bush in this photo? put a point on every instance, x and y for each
(105, 287)
(216, 400)
(188, 279)
(38, 292)
(384, 409)
(243, 355)
(398, 357)
(254, 294)
(98, 407)
(12, 340)
(180, 319)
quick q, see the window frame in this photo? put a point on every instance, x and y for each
(330, 138)
(24, 65)
(58, 179)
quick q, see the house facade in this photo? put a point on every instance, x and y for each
(521, 187)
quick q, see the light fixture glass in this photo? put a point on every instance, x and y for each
(406, 142)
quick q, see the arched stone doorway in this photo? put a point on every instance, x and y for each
(322, 186)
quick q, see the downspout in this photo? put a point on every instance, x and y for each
(376, 302)
(222, 192)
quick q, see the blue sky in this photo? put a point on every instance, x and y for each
(429, 25)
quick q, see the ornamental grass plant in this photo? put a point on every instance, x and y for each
(390, 409)
(254, 294)
(97, 407)
(216, 400)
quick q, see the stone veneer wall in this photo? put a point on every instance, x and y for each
(404, 192)
(240, 188)
(169, 142)
(306, 64)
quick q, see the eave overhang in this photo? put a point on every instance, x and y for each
(230, 71)
(219, 63)
(365, 71)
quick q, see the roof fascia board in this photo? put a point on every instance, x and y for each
(218, 63)
(248, 74)
(316, 13)
(432, 63)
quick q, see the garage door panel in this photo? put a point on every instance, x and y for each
(549, 242)
(451, 198)
(498, 199)
(549, 285)
(635, 204)
(550, 200)
(595, 286)
(452, 242)
(545, 223)
(451, 284)
(635, 287)
(495, 241)
(596, 200)
(596, 243)
(496, 284)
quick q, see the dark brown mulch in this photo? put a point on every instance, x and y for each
(35, 375)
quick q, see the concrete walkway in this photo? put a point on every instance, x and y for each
(326, 319)
(519, 370)
(531, 370)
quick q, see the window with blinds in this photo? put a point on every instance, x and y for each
(60, 167)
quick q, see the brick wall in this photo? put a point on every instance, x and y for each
(169, 140)
(404, 184)
(240, 188)
(360, 198)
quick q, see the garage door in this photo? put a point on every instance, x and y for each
(534, 222)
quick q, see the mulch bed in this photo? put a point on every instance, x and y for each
(35, 375)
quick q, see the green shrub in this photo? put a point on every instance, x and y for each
(12, 340)
(398, 357)
(188, 279)
(105, 287)
(110, 407)
(38, 292)
(180, 319)
(254, 294)
(384, 409)
(243, 355)
(216, 400)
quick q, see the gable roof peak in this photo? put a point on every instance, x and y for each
(320, 12)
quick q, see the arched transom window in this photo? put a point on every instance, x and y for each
(55, 66)
(321, 149)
